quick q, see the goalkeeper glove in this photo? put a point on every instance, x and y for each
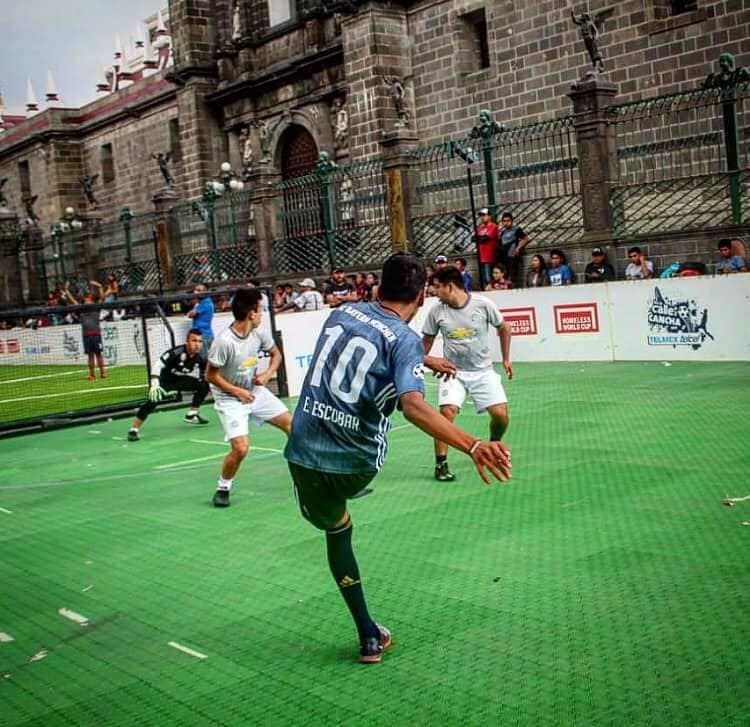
(156, 393)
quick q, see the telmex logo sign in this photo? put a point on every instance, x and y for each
(522, 321)
(577, 318)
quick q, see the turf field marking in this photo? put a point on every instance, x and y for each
(42, 376)
(224, 444)
(72, 393)
(94, 431)
(39, 655)
(7, 512)
(186, 650)
(5, 638)
(188, 461)
(732, 501)
(88, 588)
(73, 616)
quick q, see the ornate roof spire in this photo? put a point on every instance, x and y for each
(53, 100)
(31, 102)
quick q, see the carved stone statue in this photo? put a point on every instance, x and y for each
(589, 33)
(265, 132)
(236, 22)
(728, 75)
(162, 159)
(397, 91)
(340, 122)
(87, 185)
(31, 217)
(486, 126)
(246, 151)
(3, 198)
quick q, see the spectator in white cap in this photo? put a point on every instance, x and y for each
(308, 299)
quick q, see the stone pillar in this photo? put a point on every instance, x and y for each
(10, 243)
(264, 204)
(401, 183)
(163, 201)
(33, 249)
(597, 155)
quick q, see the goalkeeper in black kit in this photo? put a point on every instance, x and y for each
(183, 368)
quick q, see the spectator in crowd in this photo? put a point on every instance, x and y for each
(639, 267)
(289, 292)
(112, 289)
(487, 234)
(499, 280)
(360, 286)
(279, 296)
(461, 265)
(537, 276)
(429, 289)
(512, 242)
(371, 287)
(599, 270)
(729, 263)
(441, 261)
(264, 304)
(308, 299)
(559, 273)
(201, 269)
(339, 290)
(92, 333)
(202, 314)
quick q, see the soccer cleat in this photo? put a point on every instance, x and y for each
(221, 498)
(443, 474)
(133, 435)
(90, 378)
(371, 650)
(194, 419)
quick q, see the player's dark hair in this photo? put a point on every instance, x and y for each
(402, 279)
(559, 254)
(193, 332)
(634, 249)
(244, 301)
(507, 215)
(450, 274)
(725, 243)
(462, 260)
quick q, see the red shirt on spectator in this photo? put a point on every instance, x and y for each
(488, 247)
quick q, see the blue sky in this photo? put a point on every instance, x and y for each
(69, 37)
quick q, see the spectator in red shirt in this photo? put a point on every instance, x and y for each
(487, 235)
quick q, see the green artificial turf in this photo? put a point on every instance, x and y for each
(27, 392)
(606, 584)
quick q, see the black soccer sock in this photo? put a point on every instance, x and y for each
(344, 569)
(440, 458)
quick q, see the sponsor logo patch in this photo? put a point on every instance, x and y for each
(577, 318)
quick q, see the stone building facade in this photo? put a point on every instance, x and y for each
(269, 84)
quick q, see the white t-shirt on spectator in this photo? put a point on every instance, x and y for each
(634, 272)
(309, 300)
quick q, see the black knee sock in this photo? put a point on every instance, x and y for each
(440, 458)
(344, 569)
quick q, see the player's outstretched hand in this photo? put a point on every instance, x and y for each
(440, 366)
(495, 456)
(508, 369)
(156, 394)
(262, 379)
(244, 396)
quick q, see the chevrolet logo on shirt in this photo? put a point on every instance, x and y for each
(463, 334)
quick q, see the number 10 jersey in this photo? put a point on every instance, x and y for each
(365, 359)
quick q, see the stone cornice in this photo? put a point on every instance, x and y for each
(285, 73)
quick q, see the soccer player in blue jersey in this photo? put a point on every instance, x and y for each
(367, 362)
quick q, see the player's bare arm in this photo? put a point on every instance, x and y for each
(494, 456)
(213, 376)
(505, 333)
(273, 367)
(439, 366)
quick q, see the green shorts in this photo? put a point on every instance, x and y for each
(322, 496)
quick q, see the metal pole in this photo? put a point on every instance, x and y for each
(155, 237)
(732, 143)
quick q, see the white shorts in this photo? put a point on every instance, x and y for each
(484, 387)
(235, 415)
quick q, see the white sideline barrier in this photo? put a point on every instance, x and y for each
(679, 319)
(622, 321)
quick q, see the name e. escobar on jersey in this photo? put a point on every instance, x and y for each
(330, 413)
